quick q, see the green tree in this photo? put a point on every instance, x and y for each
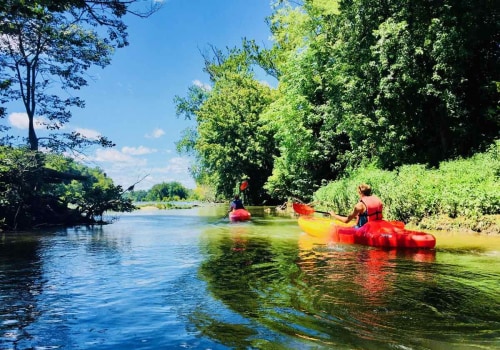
(304, 128)
(45, 189)
(137, 196)
(88, 190)
(46, 47)
(20, 175)
(231, 141)
(167, 191)
(188, 107)
(414, 79)
(387, 82)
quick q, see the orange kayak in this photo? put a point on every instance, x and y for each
(380, 233)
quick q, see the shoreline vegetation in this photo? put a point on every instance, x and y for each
(364, 94)
(459, 195)
(164, 206)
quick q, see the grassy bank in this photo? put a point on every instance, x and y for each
(462, 194)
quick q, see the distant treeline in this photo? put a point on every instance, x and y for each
(165, 191)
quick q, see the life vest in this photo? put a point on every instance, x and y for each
(373, 211)
(237, 204)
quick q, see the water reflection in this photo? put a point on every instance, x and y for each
(191, 279)
(405, 294)
(21, 277)
(322, 295)
(247, 271)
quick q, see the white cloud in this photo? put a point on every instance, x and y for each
(137, 151)
(127, 173)
(176, 169)
(20, 121)
(130, 165)
(204, 86)
(176, 165)
(115, 156)
(156, 134)
(89, 133)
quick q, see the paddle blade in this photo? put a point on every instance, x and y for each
(302, 209)
(244, 185)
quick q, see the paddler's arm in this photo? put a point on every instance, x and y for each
(358, 209)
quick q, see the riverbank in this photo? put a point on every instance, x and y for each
(486, 224)
(164, 205)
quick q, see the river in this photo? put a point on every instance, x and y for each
(189, 279)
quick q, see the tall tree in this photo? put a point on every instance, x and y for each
(231, 141)
(46, 48)
(393, 82)
(304, 127)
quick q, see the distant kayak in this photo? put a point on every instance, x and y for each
(380, 233)
(240, 215)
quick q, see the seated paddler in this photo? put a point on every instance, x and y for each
(236, 203)
(369, 208)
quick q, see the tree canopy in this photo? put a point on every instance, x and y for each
(39, 190)
(46, 49)
(359, 82)
(232, 142)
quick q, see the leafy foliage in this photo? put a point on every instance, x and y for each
(412, 192)
(361, 84)
(167, 191)
(92, 194)
(384, 83)
(38, 190)
(46, 47)
(20, 172)
(232, 142)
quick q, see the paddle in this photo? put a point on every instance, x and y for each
(244, 185)
(304, 209)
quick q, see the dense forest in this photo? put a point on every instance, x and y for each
(351, 85)
(360, 82)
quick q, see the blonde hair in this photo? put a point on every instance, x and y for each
(365, 189)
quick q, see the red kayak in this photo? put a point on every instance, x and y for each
(239, 215)
(378, 233)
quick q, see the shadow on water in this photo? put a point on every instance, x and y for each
(21, 278)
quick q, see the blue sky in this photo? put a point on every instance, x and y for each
(131, 100)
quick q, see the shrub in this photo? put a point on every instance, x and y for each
(463, 187)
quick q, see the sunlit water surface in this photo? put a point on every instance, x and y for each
(189, 279)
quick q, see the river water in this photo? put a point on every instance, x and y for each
(189, 279)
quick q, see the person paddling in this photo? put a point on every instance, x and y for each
(369, 208)
(236, 203)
